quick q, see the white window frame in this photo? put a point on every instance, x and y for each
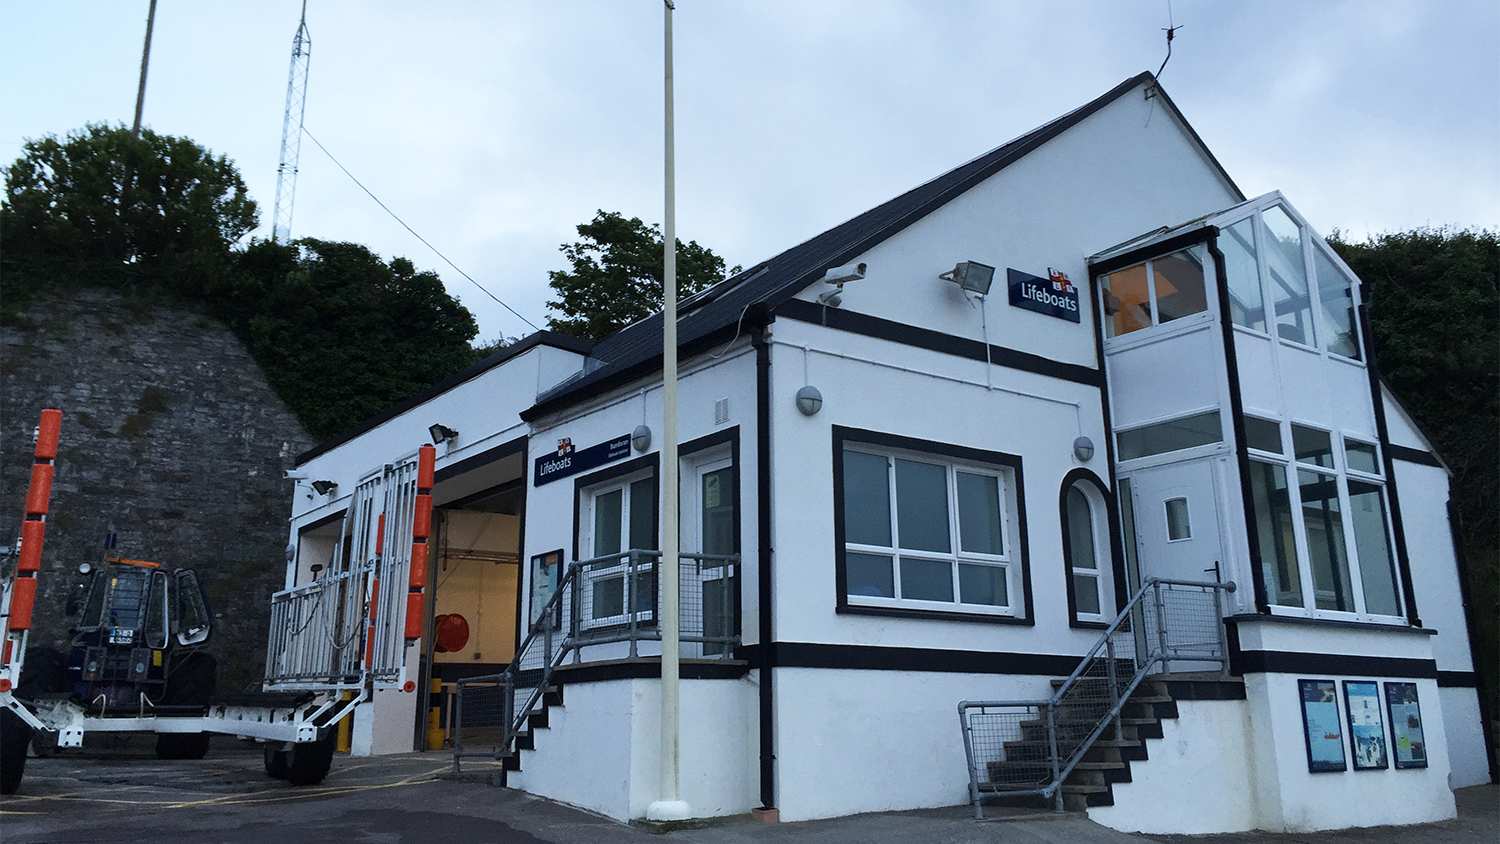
(697, 465)
(1099, 536)
(1007, 561)
(591, 576)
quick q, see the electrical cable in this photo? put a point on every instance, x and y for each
(413, 231)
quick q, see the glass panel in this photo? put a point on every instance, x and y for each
(1289, 292)
(1312, 446)
(1377, 567)
(922, 506)
(607, 521)
(1273, 526)
(608, 597)
(1179, 285)
(1086, 593)
(193, 617)
(718, 511)
(643, 513)
(926, 580)
(979, 514)
(982, 585)
(93, 607)
(1127, 301)
(1162, 437)
(1337, 300)
(1324, 524)
(869, 575)
(1361, 457)
(867, 499)
(1263, 434)
(127, 603)
(156, 619)
(643, 588)
(1245, 305)
(1080, 530)
(718, 611)
(1178, 525)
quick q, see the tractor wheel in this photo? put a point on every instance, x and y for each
(15, 734)
(191, 684)
(311, 760)
(278, 761)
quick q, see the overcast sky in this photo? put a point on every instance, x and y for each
(494, 127)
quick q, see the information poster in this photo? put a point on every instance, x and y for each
(1366, 725)
(1320, 725)
(546, 573)
(1408, 746)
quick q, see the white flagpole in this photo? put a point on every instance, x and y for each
(670, 806)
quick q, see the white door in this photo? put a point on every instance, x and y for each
(1176, 512)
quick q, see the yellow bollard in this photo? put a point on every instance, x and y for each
(345, 725)
(434, 718)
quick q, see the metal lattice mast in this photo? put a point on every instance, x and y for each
(291, 131)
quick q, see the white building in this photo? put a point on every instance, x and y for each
(1168, 380)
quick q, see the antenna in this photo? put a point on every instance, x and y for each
(1171, 31)
(291, 133)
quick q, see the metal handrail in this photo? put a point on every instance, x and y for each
(1080, 690)
(560, 631)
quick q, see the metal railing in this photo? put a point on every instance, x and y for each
(602, 601)
(1032, 746)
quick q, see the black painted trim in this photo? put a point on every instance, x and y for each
(1303, 621)
(484, 458)
(1204, 234)
(1414, 455)
(1343, 665)
(1205, 690)
(649, 669)
(326, 520)
(521, 585)
(1403, 559)
(875, 658)
(1116, 555)
(1486, 719)
(650, 461)
(1457, 679)
(731, 437)
(1241, 443)
(765, 634)
(461, 503)
(936, 341)
(1117, 524)
(842, 435)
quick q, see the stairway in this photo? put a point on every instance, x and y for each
(537, 719)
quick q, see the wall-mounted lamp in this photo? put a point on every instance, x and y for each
(324, 487)
(640, 438)
(971, 276)
(441, 433)
(1083, 449)
(838, 277)
(809, 400)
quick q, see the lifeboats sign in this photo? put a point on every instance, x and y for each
(1055, 296)
(567, 460)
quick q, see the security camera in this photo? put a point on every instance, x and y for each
(848, 272)
(294, 475)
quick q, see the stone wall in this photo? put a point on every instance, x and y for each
(170, 433)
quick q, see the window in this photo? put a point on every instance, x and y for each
(1178, 526)
(619, 516)
(924, 531)
(1317, 310)
(1335, 513)
(1154, 293)
(1086, 550)
(1172, 435)
(710, 586)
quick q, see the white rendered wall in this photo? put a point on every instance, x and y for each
(1200, 770)
(601, 748)
(851, 741)
(1466, 751)
(1290, 799)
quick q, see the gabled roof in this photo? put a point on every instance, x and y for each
(720, 312)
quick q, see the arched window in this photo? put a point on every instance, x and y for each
(1086, 552)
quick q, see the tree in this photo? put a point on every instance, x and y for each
(341, 334)
(1435, 313)
(617, 274)
(156, 203)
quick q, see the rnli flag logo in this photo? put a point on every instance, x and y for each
(564, 446)
(1060, 281)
